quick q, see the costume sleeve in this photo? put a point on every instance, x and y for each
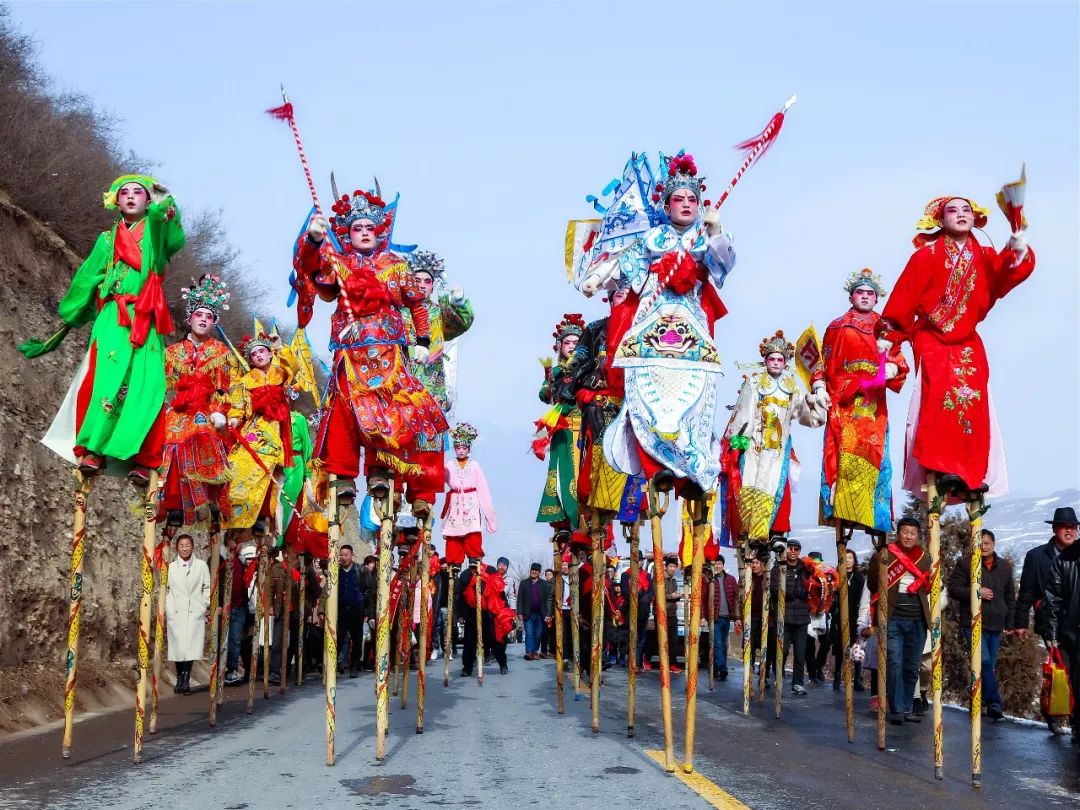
(487, 509)
(545, 386)
(240, 399)
(720, 257)
(225, 379)
(742, 417)
(633, 266)
(79, 304)
(903, 303)
(286, 360)
(1006, 276)
(172, 375)
(864, 611)
(412, 298)
(166, 234)
(894, 355)
(457, 318)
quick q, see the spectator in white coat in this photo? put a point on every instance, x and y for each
(187, 601)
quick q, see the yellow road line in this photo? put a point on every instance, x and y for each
(704, 787)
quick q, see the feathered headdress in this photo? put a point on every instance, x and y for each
(207, 293)
(934, 213)
(865, 278)
(571, 324)
(777, 344)
(464, 433)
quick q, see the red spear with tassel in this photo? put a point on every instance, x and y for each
(285, 113)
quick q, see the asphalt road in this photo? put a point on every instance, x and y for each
(502, 745)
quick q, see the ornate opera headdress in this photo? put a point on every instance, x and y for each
(934, 214)
(865, 278)
(463, 433)
(777, 344)
(571, 324)
(681, 173)
(426, 261)
(248, 343)
(207, 293)
(361, 205)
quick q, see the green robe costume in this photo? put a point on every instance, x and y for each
(297, 473)
(126, 382)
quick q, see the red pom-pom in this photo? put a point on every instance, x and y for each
(708, 203)
(702, 186)
(656, 198)
(659, 186)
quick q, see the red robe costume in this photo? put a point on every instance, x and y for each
(374, 400)
(856, 477)
(196, 460)
(941, 297)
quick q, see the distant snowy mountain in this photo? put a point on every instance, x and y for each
(1017, 523)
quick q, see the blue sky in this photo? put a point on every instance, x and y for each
(494, 120)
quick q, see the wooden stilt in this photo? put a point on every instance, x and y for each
(260, 614)
(422, 645)
(161, 565)
(700, 514)
(842, 537)
(657, 509)
(145, 602)
(268, 616)
(635, 587)
(781, 612)
(575, 622)
(935, 504)
(597, 626)
(214, 655)
(330, 622)
(557, 625)
(406, 635)
(226, 620)
(448, 644)
(302, 623)
(976, 509)
(479, 624)
(882, 630)
(711, 614)
(385, 507)
(283, 674)
(747, 647)
(763, 641)
(83, 488)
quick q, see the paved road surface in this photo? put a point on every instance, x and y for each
(503, 746)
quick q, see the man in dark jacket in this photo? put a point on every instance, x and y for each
(1063, 605)
(532, 605)
(998, 605)
(350, 611)
(726, 610)
(1034, 577)
(645, 597)
(796, 616)
(908, 571)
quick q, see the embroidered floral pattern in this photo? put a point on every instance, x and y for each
(959, 287)
(963, 396)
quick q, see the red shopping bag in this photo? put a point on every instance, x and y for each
(1057, 698)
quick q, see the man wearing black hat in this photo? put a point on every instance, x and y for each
(796, 616)
(532, 609)
(907, 568)
(1052, 622)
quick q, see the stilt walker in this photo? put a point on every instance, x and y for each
(422, 649)
(747, 639)
(85, 484)
(111, 415)
(162, 558)
(700, 514)
(763, 640)
(382, 491)
(634, 531)
(145, 598)
(657, 510)
(557, 623)
(781, 610)
(882, 622)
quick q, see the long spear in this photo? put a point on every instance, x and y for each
(286, 113)
(78, 555)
